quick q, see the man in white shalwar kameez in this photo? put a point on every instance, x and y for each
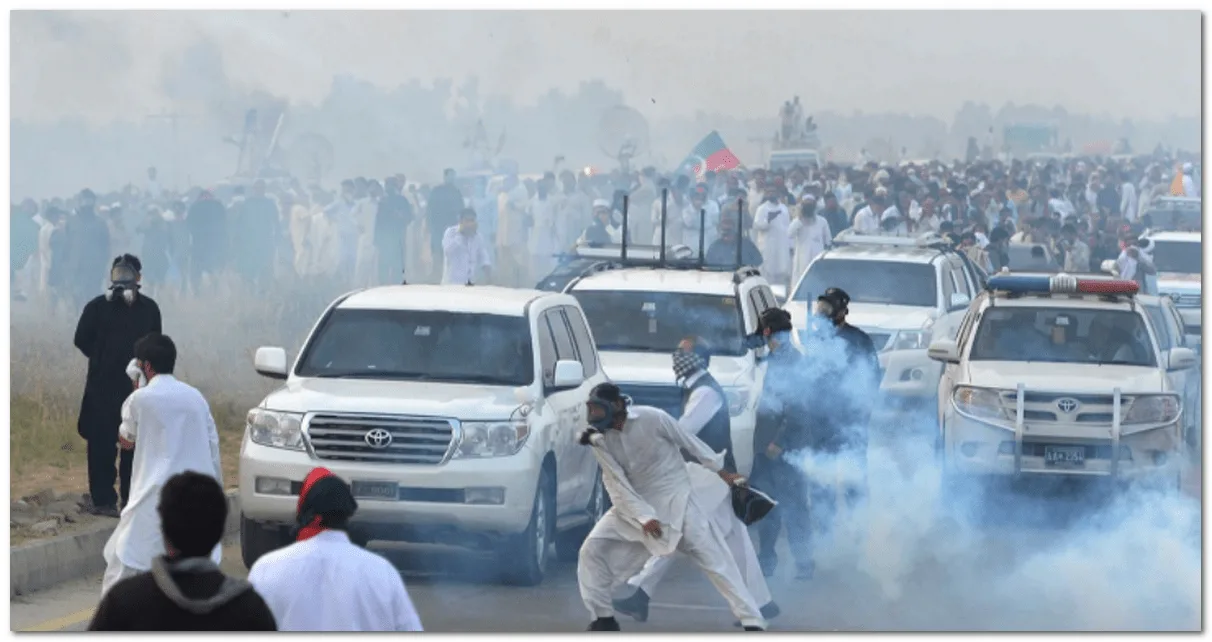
(809, 235)
(770, 224)
(172, 425)
(654, 512)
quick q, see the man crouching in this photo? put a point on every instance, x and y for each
(654, 511)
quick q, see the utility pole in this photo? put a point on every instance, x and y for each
(173, 118)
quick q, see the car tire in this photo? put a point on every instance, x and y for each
(524, 558)
(568, 544)
(257, 539)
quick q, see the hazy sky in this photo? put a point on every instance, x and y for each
(1146, 65)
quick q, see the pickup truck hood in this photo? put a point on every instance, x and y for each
(424, 398)
(1073, 378)
(657, 368)
(869, 316)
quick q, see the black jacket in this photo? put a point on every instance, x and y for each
(780, 415)
(838, 421)
(717, 434)
(87, 253)
(444, 208)
(106, 335)
(188, 595)
(391, 223)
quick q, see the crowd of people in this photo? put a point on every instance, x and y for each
(512, 230)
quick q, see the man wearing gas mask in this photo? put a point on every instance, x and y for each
(781, 428)
(654, 511)
(704, 414)
(843, 368)
(106, 334)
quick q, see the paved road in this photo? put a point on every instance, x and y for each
(1008, 563)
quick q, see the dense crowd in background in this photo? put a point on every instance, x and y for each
(512, 229)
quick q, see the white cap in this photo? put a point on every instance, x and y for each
(601, 202)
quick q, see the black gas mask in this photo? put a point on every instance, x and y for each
(124, 280)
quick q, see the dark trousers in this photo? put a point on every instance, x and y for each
(789, 488)
(102, 473)
(391, 267)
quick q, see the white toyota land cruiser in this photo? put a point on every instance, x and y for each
(1060, 375)
(1178, 257)
(452, 412)
(903, 292)
(642, 307)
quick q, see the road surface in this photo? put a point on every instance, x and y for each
(918, 569)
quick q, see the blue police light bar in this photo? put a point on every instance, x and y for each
(1058, 284)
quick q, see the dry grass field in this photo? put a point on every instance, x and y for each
(216, 335)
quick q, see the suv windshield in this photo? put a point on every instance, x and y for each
(421, 345)
(636, 321)
(888, 282)
(1184, 257)
(1063, 335)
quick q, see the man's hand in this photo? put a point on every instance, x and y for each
(731, 478)
(773, 451)
(124, 444)
(652, 528)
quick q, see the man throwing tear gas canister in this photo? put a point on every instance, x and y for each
(106, 333)
(705, 415)
(655, 509)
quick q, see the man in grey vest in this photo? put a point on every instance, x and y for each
(705, 415)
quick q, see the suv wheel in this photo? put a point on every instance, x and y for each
(257, 539)
(524, 558)
(568, 544)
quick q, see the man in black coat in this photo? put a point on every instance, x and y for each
(207, 225)
(87, 241)
(185, 590)
(106, 334)
(443, 210)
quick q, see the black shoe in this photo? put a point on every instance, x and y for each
(754, 628)
(104, 511)
(635, 606)
(604, 624)
(770, 611)
(805, 571)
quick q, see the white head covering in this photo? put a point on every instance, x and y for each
(601, 202)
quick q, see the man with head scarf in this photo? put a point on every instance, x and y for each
(325, 582)
(655, 510)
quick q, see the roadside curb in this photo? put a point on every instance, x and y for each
(46, 563)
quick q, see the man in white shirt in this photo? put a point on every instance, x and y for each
(172, 425)
(1190, 187)
(705, 415)
(692, 214)
(655, 510)
(463, 252)
(325, 582)
(1127, 199)
(770, 224)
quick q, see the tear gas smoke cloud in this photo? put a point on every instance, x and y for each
(918, 556)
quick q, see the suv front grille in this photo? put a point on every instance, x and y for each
(667, 398)
(380, 438)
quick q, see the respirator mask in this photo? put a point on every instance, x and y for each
(125, 282)
(600, 413)
(823, 308)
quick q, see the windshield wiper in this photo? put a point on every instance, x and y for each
(372, 374)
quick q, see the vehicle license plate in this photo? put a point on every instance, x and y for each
(1072, 455)
(376, 490)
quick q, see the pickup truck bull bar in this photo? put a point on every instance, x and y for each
(1020, 428)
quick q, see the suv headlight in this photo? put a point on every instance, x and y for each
(276, 429)
(738, 400)
(1153, 409)
(978, 403)
(491, 439)
(910, 340)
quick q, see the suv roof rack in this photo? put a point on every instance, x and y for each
(929, 240)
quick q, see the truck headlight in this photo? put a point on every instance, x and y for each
(910, 340)
(978, 403)
(276, 429)
(738, 400)
(1153, 409)
(491, 439)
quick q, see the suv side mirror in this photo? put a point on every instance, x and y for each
(944, 350)
(959, 300)
(568, 374)
(270, 362)
(1181, 359)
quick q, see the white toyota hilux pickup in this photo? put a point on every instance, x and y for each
(1063, 376)
(452, 412)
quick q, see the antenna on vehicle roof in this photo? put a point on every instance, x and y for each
(702, 234)
(623, 256)
(664, 208)
(739, 240)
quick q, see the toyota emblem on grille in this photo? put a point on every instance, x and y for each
(1067, 405)
(378, 438)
